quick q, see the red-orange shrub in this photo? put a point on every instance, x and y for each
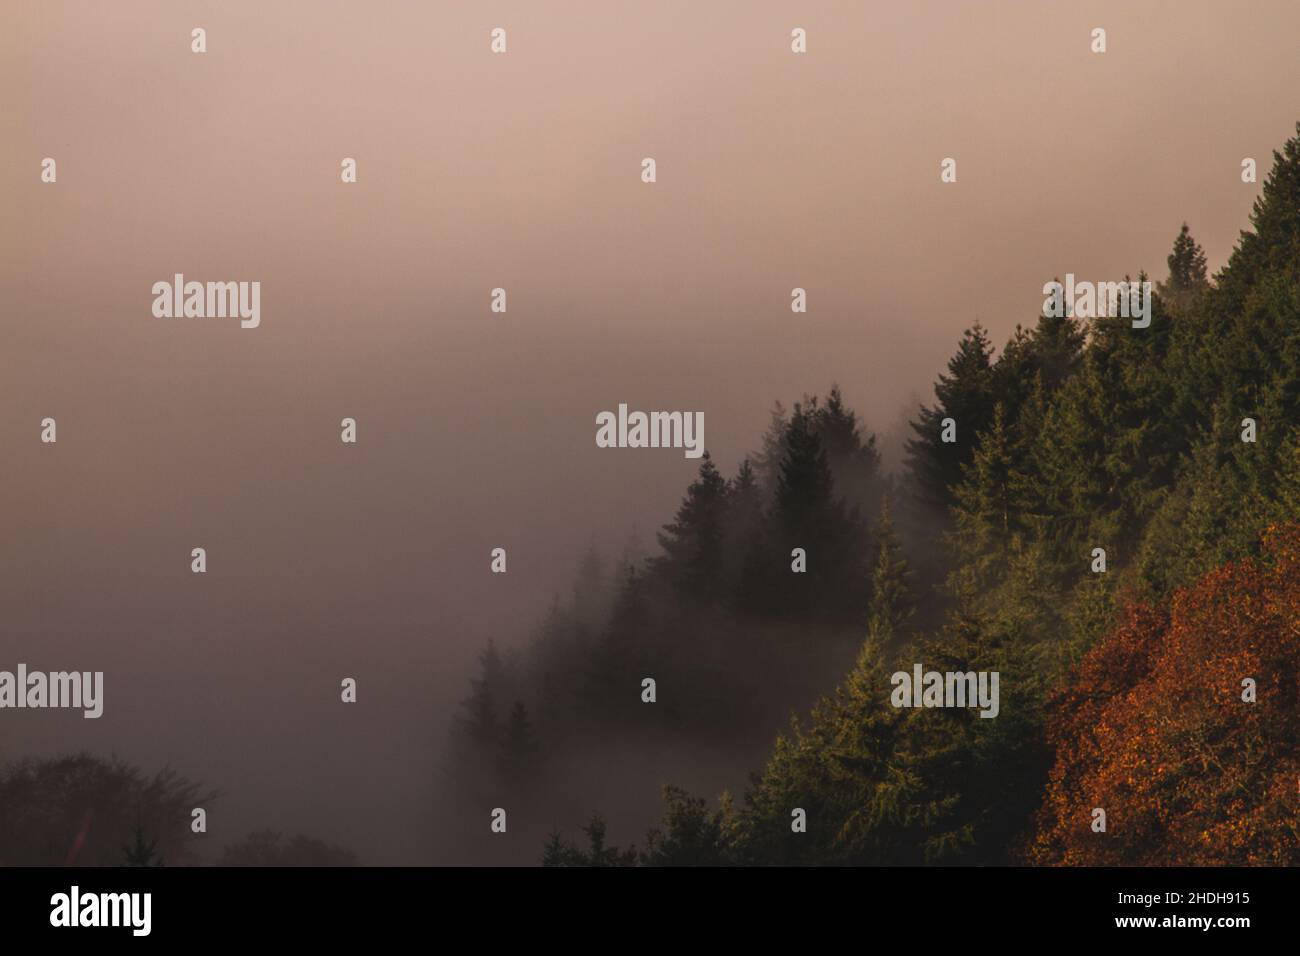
(1152, 728)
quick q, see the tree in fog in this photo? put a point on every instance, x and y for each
(269, 848)
(84, 810)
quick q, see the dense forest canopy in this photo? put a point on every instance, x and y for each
(1093, 534)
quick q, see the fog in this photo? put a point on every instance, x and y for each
(475, 430)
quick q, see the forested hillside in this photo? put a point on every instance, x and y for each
(1093, 534)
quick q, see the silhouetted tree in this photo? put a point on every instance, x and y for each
(142, 852)
(964, 394)
(85, 810)
(520, 749)
(267, 848)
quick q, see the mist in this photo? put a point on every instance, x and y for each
(476, 430)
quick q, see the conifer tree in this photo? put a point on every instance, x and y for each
(747, 557)
(559, 852)
(1186, 266)
(853, 458)
(891, 598)
(690, 835)
(807, 514)
(804, 483)
(614, 663)
(520, 749)
(965, 394)
(479, 721)
(991, 507)
(767, 461)
(693, 542)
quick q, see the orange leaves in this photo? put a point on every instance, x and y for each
(1155, 727)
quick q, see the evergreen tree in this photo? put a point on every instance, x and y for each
(854, 460)
(520, 749)
(767, 461)
(1186, 266)
(559, 852)
(991, 508)
(693, 542)
(615, 663)
(804, 483)
(746, 567)
(965, 394)
(808, 515)
(1080, 435)
(891, 599)
(834, 768)
(690, 835)
(479, 722)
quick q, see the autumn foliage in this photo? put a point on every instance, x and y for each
(1152, 727)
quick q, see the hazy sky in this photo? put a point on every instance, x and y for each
(477, 430)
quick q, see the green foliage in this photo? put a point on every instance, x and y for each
(558, 852)
(1078, 435)
(690, 835)
(892, 604)
(965, 394)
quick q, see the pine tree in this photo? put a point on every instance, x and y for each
(559, 852)
(854, 460)
(991, 508)
(891, 599)
(805, 484)
(616, 661)
(964, 394)
(807, 514)
(746, 555)
(1056, 345)
(520, 749)
(1186, 266)
(693, 542)
(479, 722)
(691, 835)
(835, 767)
(767, 461)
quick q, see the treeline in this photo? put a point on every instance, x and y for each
(717, 618)
(1099, 472)
(759, 594)
(85, 810)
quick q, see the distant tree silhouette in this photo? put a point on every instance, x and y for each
(559, 852)
(1186, 266)
(520, 748)
(86, 810)
(268, 848)
(693, 556)
(142, 852)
